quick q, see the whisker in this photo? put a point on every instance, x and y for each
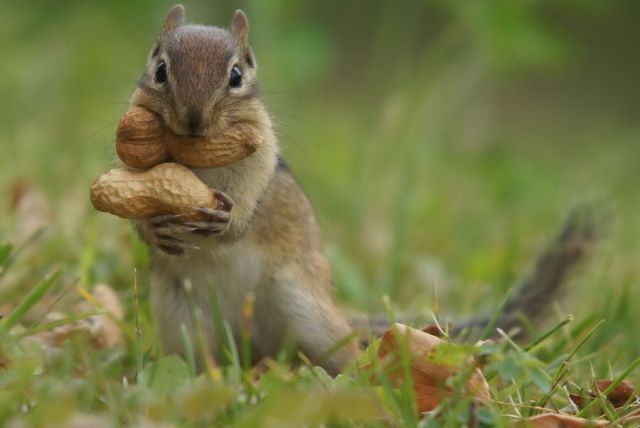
(123, 103)
(93, 134)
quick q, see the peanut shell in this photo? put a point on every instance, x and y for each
(235, 144)
(143, 140)
(167, 188)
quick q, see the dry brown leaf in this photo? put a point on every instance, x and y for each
(102, 330)
(618, 397)
(578, 400)
(620, 394)
(434, 330)
(105, 331)
(428, 377)
(558, 420)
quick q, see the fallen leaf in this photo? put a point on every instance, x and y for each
(618, 397)
(434, 330)
(428, 376)
(102, 329)
(105, 331)
(579, 400)
(620, 394)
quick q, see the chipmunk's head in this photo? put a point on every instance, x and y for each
(201, 79)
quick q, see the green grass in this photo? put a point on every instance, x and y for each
(441, 146)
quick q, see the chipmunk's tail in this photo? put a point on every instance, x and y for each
(530, 301)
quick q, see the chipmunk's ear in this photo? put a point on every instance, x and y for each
(240, 31)
(240, 28)
(174, 19)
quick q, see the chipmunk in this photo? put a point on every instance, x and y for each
(265, 239)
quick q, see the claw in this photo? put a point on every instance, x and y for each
(216, 222)
(173, 229)
(165, 227)
(195, 225)
(173, 242)
(205, 228)
(207, 232)
(227, 202)
(215, 215)
(162, 219)
(174, 246)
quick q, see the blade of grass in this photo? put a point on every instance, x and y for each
(338, 345)
(247, 316)
(562, 370)
(218, 325)
(92, 300)
(490, 374)
(137, 324)
(509, 340)
(16, 250)
(88, 259)
(188, 350)
(58, 323)
(31, 299)
(549, 333)
(196, 326)
(410, 405)
(5, 252)
(313, 373)
(496, 315)
(450, 406)
(605, 405)
(386, 304)
(234, 357)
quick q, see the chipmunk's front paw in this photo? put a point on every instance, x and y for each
(164, 229)
(216, 221)
(170, 233)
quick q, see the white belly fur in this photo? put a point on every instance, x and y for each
(233, 271)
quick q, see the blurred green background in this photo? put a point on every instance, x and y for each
(441, 142)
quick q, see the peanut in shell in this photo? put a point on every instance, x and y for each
(232, 145)
(143, 140)
(167, 188)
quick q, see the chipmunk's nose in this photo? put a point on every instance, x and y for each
(194, 122)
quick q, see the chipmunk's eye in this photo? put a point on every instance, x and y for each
(235, 78)
(161, 72)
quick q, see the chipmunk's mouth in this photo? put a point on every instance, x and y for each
(194, 123)
(191, 124)
(187, 129)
